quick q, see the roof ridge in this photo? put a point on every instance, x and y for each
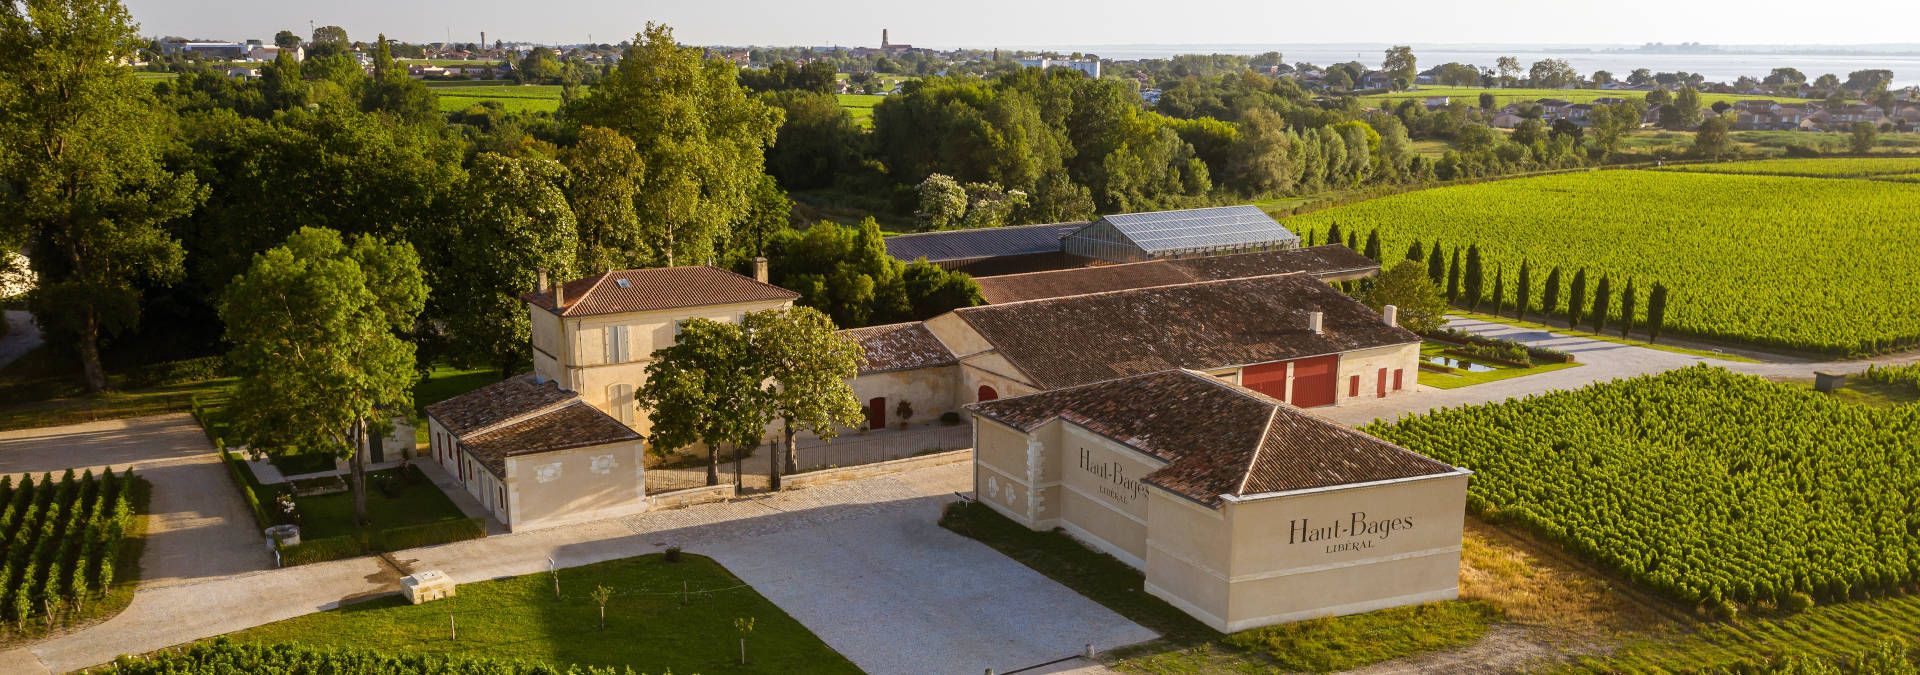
(598, 279)
(1201, 282)
(516, 419)
(1246, 473)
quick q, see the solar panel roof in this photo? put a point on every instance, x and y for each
(982, 243)
(1200, 229)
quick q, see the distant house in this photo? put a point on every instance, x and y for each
(232, 51)
(1378, 79)
(1434, 102)
(1609, 100)
(1506, 119)
(1089, 66)
(266, 53)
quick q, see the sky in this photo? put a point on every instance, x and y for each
(1024, 23)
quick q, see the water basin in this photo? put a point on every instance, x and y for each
(1458, 364)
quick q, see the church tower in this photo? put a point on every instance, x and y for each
(883, 39)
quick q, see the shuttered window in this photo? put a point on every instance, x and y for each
(616, 344)
(620, 400)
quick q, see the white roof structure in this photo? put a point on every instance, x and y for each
(1128, 237)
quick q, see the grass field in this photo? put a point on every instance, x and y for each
(1769, 261)
(511, 97)
(415, 504)
(1471, 95)
(860, 106)
(648, 626)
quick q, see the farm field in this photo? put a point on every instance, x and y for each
(860, 106)
(513, 97)
(1658, 479)
(1839, 167)
(1505, 96)
(1770, 261)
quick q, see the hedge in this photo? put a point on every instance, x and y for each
(222, 656)
(323, 549)
(175, 372)
(260, 514)
(1536, 354)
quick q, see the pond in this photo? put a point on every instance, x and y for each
(1458, 364)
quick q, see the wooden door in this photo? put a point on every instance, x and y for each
(877, 413)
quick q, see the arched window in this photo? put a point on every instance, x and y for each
(987, 393)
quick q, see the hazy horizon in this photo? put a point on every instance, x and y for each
(1000, 23)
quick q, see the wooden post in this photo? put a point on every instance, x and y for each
(451, 627)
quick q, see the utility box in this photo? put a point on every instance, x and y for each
(426, 586)
(1827, 382)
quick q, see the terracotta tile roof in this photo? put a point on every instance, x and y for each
(1217, 438)
(1062, 342)
(1325, 262)
(574, 425)
(900, 346)
(658, 288)
(495, 403)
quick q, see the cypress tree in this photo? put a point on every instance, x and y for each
(1577, 298)
(1656, 311)
(1436, 265)
(1475, 282)
(1499, 282)
(1521, 292)
(1333, 233)
(1550, 294)
(1353, 241)
(1602, 299)
(1310, 237)
(1453, 277)
(1416, 253)
(1373, 245)
(1627, 301)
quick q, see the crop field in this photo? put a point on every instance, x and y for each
(1839, 167)
(1706, 486)
(512, 97)
(1471, 95)
(1805, 264)
(860, 106)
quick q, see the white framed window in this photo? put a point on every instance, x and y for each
(620, 401)
(616, 344)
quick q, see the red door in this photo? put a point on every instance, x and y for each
(1266, 378)
(1382, 384)
(1316, 381)
(877, 413)
(986, 393)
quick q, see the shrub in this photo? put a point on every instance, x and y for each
(235, 471)
(1533, 354)
(1796, 602)
(175, 372)
(671, 555)
(950, 418)
(323, 549)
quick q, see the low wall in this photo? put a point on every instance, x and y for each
(690, 496)
(823, 476)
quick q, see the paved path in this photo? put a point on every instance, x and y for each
(1601, 361)
(862, 563)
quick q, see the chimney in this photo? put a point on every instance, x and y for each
(1391, 315)
(542, 288)
(760, 269)
(559, 296)
(1314, 320)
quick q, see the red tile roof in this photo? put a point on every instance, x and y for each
(1217, 438)
(1062, 342)
(574, 425)
(495, 403)
(899, 346)
(1324, 262)
(659, 288)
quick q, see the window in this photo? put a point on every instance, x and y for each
(620, 401)
(616, 343)
(1396, 379)
(1353, 386)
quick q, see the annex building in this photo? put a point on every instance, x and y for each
(1242, 511)
(1117, 238)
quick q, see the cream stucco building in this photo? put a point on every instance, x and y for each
(564, 443)
(1241, 510)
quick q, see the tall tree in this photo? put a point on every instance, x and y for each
(1436, 265)
(1523, 291)
(1333, 234)
(1602, 299)
(1550, 293)
(1401, 65)
(1865, 136)
(605, 175)
(516, 225)
(701, 137)
(1627, 301)
(1453, 277)
(1373, 245)
(806, 369)
(81, 180)
(1713, 140)
(705, 389)
(1656, 311)
(1577, 298)
(1499, 294)
(1417, 252)
(1475, 282)
(286, 39)
(315, 326)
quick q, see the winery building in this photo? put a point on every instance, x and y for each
(1117, 238)
(1241, 510)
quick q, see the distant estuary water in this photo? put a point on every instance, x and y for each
(1717, 67)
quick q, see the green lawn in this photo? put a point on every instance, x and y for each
(649, 627)
(442, 383)
(860, 106)
(1188, 646)
(1463, 378)
(458, 96)
(418, 502)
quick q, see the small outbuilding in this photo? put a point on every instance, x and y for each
(1243, 511)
